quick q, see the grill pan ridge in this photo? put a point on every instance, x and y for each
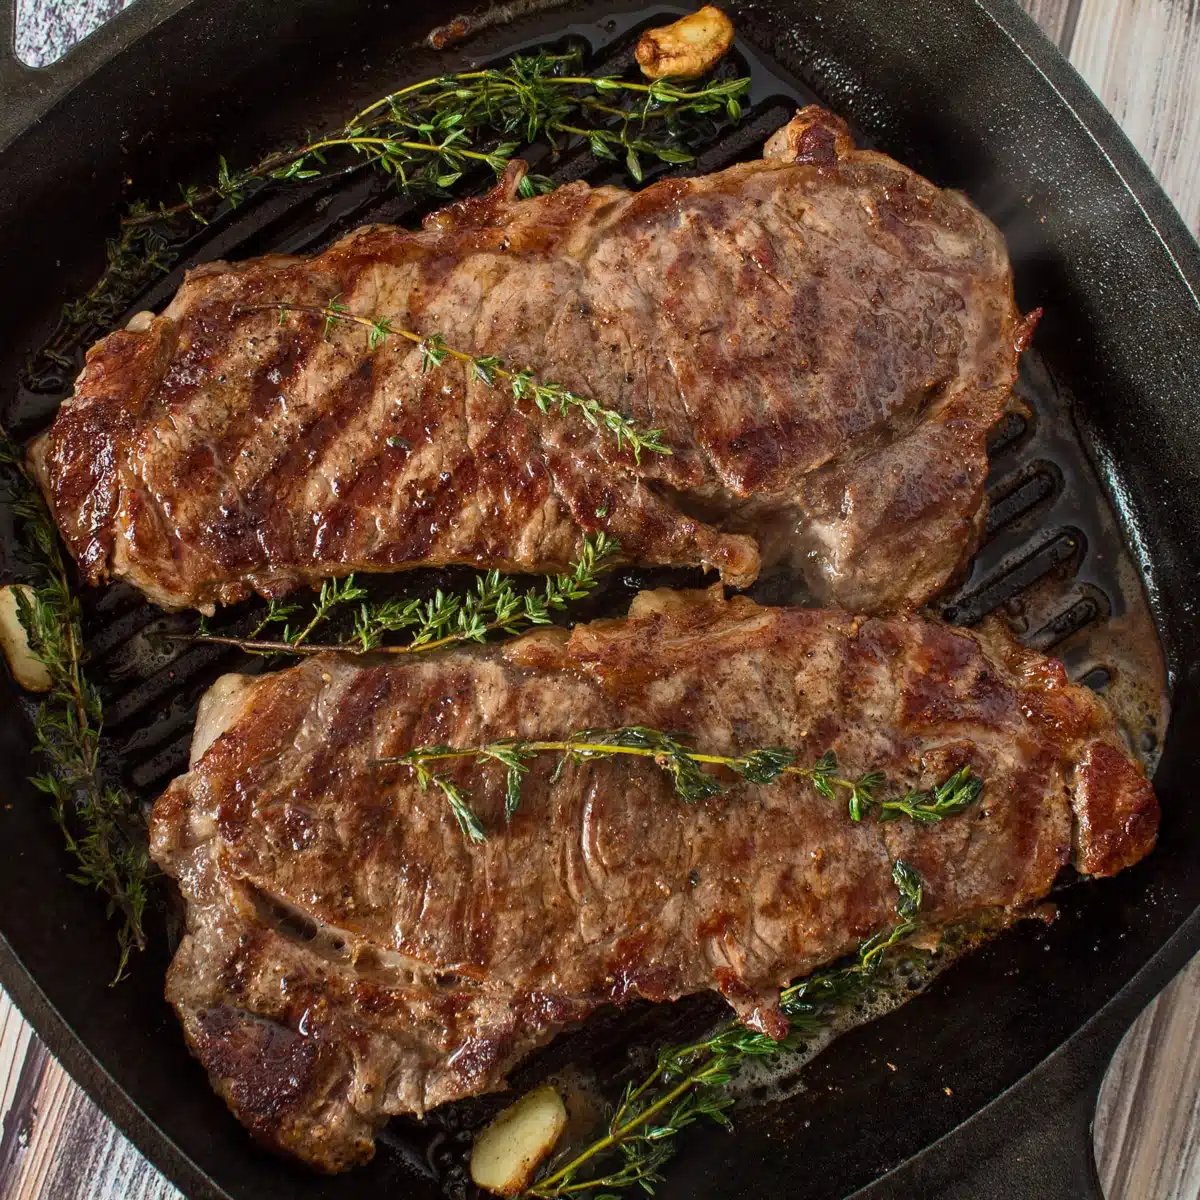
(1054, 565)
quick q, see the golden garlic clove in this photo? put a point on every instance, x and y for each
(28, 671)
(687, 48)
(508, 1151)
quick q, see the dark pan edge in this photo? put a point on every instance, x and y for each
(1000, 1149)
(1101, 126)
(1035, 1139)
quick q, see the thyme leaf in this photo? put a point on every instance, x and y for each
(100, 823)
(689, 1083)
(952, 796)
(334, 594)
(690, 781)
(468, 822)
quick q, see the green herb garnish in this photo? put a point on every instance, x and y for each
(423, 137)
(495, 605)
(489, 370)
(692, 783)
(100, 822)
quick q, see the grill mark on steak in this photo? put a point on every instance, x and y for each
(340, 925)
(824, 343)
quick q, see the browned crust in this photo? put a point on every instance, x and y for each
(814, 135)
(1116, 811)
(111, 393)
(273, 1078)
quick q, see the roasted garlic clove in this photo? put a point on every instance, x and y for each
(508, 1151)
(27, 670)
(688, 48)
(140, 321)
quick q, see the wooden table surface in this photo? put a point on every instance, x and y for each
(1142, 57)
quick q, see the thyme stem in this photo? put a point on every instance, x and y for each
(462, 77)
(547, 1187)
(540, 114)
(265, 646)
(429, 147)
(683, 764)
(495, 605)
(600, 83)
(421, 135)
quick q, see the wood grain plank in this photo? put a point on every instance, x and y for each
(94, 1162)
(1147, 1132)
(15, 1035)
(54, 1094)
(55, 1143)
(1142, 58)
(1057, 19)
(27, 1072)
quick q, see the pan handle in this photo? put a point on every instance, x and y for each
(27, 93)
(22, 88)
(11, 68)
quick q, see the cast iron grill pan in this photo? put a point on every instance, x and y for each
(1053, 565)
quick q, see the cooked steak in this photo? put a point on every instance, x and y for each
(823, 337)
(351, 955)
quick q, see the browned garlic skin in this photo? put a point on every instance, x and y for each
(687, 48)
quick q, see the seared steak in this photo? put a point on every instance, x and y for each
(351, 955)
(823, 337)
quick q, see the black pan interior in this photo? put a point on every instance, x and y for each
(945, 89)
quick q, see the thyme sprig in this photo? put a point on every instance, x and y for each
(672, 754)
(488, 369)
(334, 595)
(690, 1082)
(423, 137)
(494, 605)
(100, 822)
(425, 134)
